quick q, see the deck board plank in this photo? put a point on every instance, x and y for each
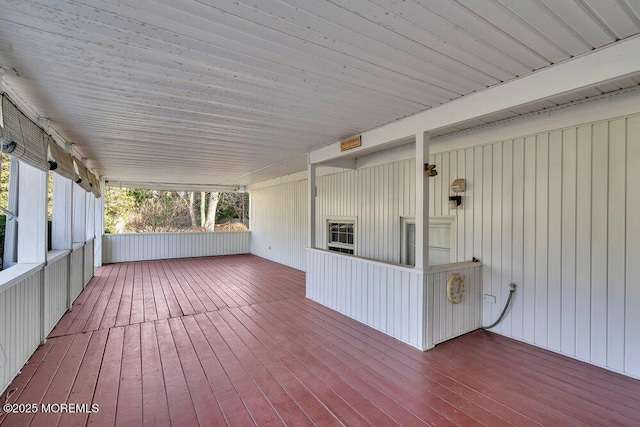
(233, 340)
(256, 402)
(129, 409)
(234, 410)
(204, 401)
(60, 388)
(86, 379)
(108, 384)
(155, 410)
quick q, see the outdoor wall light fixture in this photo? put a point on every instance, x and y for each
(6, 144)
(454, 201)
(457, 186)
(430, 170)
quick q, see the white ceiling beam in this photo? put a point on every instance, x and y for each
(170, 186)
(611, 62)
(343, 163)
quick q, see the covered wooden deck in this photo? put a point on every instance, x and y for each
(232, 340)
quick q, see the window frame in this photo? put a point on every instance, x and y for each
(340, 245)
(447, 220)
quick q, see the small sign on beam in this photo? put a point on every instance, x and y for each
(350, 143)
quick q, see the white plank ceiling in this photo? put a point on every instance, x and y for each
(235, 92)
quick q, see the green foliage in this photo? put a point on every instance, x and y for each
(4, 180)
(137, 211)
(119, 204)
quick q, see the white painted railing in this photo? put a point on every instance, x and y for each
(77, 271)
(88, 261)
(33, 297)
(147, 246)
(21, 319)
(387, 297)
(56, 288)
(407, 304)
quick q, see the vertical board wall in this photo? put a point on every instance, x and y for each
(553, 212)
(375, 197)
(279, 223)
(556, 214)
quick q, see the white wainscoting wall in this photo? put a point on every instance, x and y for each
(21, 317)
(407, 304)
(56, 288)
(88, 261)
(387, 297)
(279, 212)
(32, 301)
(556, 213)
(452, 320)
(77, 271)
(148, 246)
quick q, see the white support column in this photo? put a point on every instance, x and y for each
(90, 230)
(99, 227)
(422, 202)
(422, 236)
(312, 204)
(79, 214)
(32, 228)
(32, 215)
(61, 230)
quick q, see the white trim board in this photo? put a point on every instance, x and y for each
(596, 67)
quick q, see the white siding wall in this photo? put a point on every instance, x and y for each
(452, 320)
(396, 300)
(21, 320)
(88, 261)
(279, 213)
(556, 213)
(376, 197)
(77, 273)
(386, 297)
(139, 247)
(33, 302)
(56, 293)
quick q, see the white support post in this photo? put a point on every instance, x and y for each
(32, 215)
(79, 214)
(422, 235)
(61, 237)
(62, 227)
(422, 202)
(312, 204)
(90, 230)
(99, 227)
(32, 229)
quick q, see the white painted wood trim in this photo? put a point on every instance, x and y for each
(390, 265)
(17, 273)
(605, 108)
(610, 62)
(422, 201)
(56, 254)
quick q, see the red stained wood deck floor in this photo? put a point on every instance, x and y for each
(232, 340)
